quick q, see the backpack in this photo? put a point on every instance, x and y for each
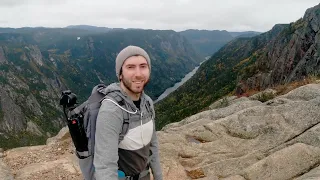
(81, 121)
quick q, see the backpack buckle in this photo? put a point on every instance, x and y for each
(135, 177)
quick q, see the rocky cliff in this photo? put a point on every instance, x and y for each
(241, 140)
(292, 56)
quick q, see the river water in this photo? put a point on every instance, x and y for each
(178, 84)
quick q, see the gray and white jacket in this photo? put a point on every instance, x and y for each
(132, 153)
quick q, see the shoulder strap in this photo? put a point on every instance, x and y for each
(125, 126)
(97, 93)
(149, 108)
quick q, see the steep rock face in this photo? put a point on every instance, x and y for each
(12, 118)
(33, 105)
(16, 81)
(19, 105)
(35, 54)
(26, 112)
(293, 55)
(34, 129)
(248, 139)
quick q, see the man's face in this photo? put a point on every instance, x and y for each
(135, 74)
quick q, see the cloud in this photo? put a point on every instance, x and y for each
(232, 15)
(14, 3)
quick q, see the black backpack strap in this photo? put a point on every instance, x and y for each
(149, 108)
(125, 125)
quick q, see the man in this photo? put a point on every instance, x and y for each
(130, 155)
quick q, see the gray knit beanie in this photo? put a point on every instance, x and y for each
(128, 52)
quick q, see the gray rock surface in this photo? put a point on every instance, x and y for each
(13, 118)
(5, 173)
(36, 55)
(278, 139)
(33, 105)
(33, 128)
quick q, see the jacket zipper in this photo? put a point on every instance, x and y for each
(141, 129)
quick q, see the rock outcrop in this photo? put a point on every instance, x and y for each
(292, 56)
(35, 54)
(52, 161)
(246, 139)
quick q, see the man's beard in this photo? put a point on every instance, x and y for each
(128, 85)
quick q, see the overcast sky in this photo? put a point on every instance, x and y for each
(231, 15)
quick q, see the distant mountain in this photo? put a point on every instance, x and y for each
(100, 29)
(245, 34)
(286, 53)
(207, 42)
(90, 28)
(37, 63)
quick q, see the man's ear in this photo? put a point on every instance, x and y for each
(120, 77)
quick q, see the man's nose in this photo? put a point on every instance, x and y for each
(138, 71)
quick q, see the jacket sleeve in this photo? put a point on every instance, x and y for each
(108, 127)
(155, 158)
